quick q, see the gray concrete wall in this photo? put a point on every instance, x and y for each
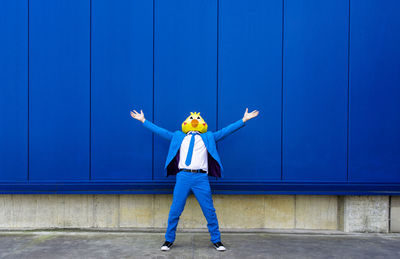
(314, 212)
(395, 214)
(365, 214)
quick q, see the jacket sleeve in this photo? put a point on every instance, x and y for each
(158, 130)
(222, 133)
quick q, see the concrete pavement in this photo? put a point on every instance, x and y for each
(130, 244)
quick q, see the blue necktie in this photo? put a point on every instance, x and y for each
(190, 150)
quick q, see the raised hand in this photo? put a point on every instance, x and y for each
(247, 116)
(138, 116)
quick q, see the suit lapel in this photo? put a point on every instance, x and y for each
(205, 139)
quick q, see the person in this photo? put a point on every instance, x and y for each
(192, 157)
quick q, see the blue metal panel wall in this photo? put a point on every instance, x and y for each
(122, 79)
(13, 90)
(374, 143)
(185, 61)
(249, 75)
(315, 90)
(59, 89)
(324, 74)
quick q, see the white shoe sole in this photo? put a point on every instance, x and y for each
(165, 248)
(221, 248)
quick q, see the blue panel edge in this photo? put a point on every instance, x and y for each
(217, 188)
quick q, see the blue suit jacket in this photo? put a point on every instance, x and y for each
(209, 138)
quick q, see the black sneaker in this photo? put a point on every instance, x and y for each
(166, 246)
(219, 246)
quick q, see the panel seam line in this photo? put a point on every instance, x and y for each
(28, 128)
(282, 78)
(348, 99)
(90, 91)
(153, 116)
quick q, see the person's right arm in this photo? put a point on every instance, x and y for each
(151, 126)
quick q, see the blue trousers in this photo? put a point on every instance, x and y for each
(197, 183)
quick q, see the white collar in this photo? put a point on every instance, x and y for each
(193, 131)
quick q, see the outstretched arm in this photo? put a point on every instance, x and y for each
(154, 128)
(220, 134)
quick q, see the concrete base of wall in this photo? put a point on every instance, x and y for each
(314, 212)
(395, 214)
(364, 214)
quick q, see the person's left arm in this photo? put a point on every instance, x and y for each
(222, 133)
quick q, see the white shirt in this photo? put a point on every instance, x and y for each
(199, 156)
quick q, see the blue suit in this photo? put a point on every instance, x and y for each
(209, 138)
(197, 183)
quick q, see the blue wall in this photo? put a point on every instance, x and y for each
(324, 74)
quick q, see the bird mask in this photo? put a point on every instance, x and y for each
(194, 123)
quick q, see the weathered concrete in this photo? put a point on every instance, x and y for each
(78, 211)
(135, 210)
(347, 213)
(235, 211)
(316, 212)
(196, 245)
(365, 214)
(279, 211)
(395, 214)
